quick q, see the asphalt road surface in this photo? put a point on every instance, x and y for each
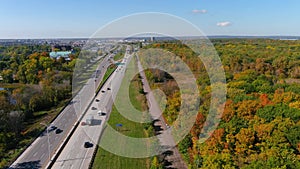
(37, 154)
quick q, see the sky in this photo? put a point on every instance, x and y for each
(82, 18)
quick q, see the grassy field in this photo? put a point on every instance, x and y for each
(119, 56)
(105, 159)
(108, 72)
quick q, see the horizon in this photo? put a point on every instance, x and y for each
(209, 36)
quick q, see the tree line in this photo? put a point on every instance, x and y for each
(260, 124)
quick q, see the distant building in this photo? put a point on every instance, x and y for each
(59, 54)
(152, 39)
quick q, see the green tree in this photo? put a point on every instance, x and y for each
(7, 76)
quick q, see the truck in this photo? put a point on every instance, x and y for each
(89, 120)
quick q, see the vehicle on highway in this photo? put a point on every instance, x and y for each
(51, 128)
(103, 91)
(94, 108)
(101, 113)
(89, 120)
(87, 144)
(108, 88)
(97, 100)
(83, 123)
(57, 131)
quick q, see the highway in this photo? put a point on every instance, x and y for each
(37, 154)
(75, 155)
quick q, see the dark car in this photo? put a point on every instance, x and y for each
(97, 100)
(108, 88)
(94, 108)
(51, 128)
(57, 131)
(103, 91)
(88, 144)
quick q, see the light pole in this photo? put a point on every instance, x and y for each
(48, 139)
(95, 81)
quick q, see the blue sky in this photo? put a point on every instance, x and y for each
(81, 18)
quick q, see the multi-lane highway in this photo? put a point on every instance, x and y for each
(82, 109)
(75, 155)
(37, 154)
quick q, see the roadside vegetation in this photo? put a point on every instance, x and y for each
(34, 89)
(107, 74)
(260, 125)
(120, 54)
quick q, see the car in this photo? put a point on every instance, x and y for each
(101, 113)
(108, 88)
(94, 108)
(97, 100)
(51, 128)
(103, 91)
(57, 131)
(83, 123)
(87, 144)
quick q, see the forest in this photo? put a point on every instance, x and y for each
(34, 87)
(260, 125)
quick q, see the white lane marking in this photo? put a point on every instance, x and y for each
(42, 156)
(34, 154)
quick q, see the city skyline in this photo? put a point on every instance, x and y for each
(80, 19)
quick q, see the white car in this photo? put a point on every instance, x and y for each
(101, 113)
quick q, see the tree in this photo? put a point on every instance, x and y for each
(7, 76)
(247, 109)
(155, 163)
(245, 142)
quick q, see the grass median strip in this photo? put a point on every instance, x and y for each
(107, 74)
(105, 159)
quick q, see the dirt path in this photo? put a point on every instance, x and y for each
(172, 157)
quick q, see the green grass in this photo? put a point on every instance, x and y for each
(108, 72)
(130, 128)
(119, 56)
(12, 86)
(105, 159)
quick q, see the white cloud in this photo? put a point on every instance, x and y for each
(223, 24)
(202, 11)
